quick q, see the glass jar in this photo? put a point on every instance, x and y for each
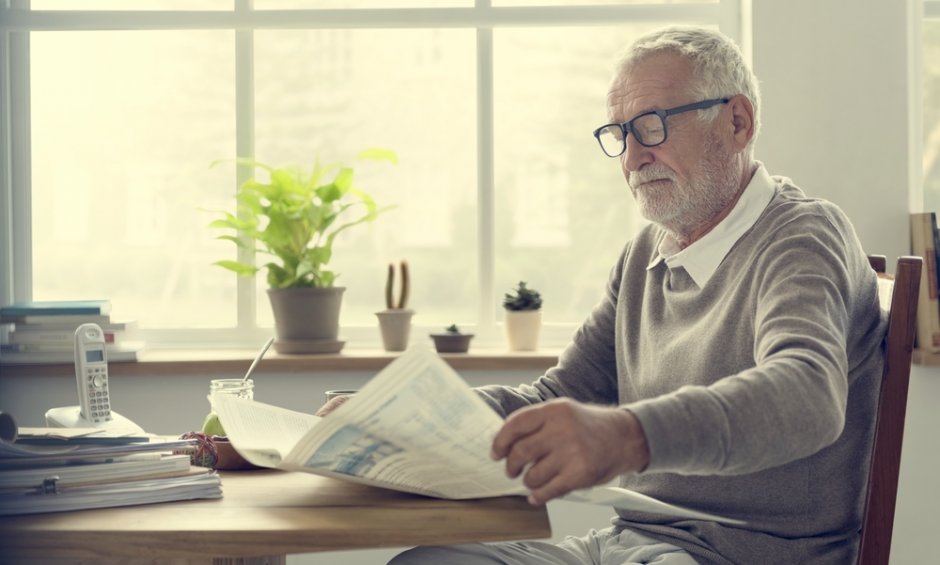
(242, 388)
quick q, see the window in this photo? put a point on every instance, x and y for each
(113, 116)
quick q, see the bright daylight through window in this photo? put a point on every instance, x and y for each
(489, 108)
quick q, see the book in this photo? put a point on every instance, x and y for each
(65, 339)
(56, 308)
(923, 226)
(15, 455)
(414, 427)
(12, 356)
(935, 232)
(50, 496)
(74, 436)
(57, 347)
(63, 321)
(97, 473)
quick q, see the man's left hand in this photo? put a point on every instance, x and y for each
(563, 445)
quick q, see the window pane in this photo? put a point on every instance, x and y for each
(594, 2)
(563, 209)
(931, 154)
(124, 127)
(332, 93)
(126, 5)
(357, 4)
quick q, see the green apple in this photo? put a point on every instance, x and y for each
(212, 426)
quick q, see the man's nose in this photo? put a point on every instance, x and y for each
(635, 155)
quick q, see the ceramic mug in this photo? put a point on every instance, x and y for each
(331, 394)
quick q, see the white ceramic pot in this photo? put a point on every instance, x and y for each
(395, 326)
(522, 329)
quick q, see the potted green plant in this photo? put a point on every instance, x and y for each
(523, 307)
(294, 216)
(395, 320)
(452, 340)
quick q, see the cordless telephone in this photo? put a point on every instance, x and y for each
(91, 377)
(91, 374)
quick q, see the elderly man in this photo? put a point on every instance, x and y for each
(731, 364)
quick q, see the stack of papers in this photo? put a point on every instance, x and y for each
(77, 470)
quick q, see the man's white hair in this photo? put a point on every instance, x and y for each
(719, 70)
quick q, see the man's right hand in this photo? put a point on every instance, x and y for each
(331, 405)
(561, 445)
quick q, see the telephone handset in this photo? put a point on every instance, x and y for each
(91, 376)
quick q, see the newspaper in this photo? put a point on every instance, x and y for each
(415, 427)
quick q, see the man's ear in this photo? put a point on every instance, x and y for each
(742, 121)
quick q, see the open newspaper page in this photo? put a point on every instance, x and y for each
(415, 427)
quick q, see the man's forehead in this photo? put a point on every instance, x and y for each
(655, 82)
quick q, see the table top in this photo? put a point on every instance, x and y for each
(267, 512)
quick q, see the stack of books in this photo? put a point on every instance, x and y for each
(44, 332)
(80, 469)
(925, 242)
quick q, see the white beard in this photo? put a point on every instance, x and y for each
(681, 208)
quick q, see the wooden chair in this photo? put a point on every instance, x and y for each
(881, 496)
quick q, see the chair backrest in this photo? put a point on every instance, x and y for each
(878, 520)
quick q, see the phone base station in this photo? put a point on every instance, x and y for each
(71, 417)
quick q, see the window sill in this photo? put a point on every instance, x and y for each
(236, 362)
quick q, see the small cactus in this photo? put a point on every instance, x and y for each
(390, 284)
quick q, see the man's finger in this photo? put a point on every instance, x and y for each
(521, 423)
(525, 451)
(541, 472)
(560, 485)
(331, 405)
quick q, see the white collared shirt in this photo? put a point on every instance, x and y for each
(702, 257)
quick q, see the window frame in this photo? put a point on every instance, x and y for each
(17, 20)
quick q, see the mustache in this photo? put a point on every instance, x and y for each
(650, 173)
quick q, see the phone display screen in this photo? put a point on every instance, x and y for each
(94, 355)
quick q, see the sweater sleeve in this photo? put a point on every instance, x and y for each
(810, 284)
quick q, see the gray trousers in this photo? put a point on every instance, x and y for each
(605, 547)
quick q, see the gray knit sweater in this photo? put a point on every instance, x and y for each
(756, 392)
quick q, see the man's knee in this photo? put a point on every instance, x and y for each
(476, 554)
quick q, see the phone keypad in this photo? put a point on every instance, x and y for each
(97, 388)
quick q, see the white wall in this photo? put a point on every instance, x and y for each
(835, 93)
(834, 80)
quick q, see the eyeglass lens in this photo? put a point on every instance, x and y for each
(649, 130)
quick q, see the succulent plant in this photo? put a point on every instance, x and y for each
(522, 298)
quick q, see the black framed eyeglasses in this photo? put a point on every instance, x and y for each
(649, 128)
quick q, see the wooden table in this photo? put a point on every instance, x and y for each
(267, 513)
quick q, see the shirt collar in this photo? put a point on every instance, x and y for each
(701, 259)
